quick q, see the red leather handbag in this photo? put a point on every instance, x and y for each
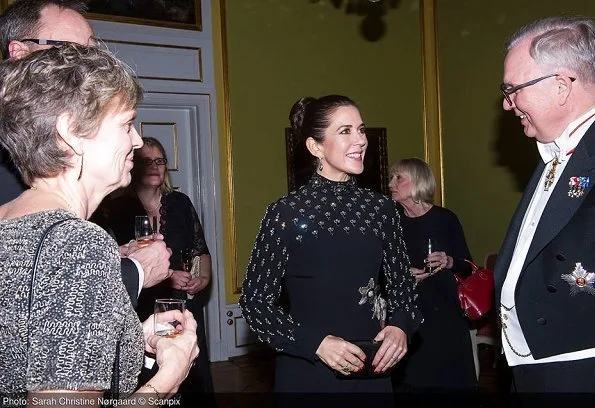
(476, 292)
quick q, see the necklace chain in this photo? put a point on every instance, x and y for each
(69, 206)
(503, 324)
(154, 208)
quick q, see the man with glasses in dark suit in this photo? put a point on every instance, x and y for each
(545, 274)
(30, 25)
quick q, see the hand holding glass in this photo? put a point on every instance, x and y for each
(186, 259)
(143, 232)
(427, 268)
(165, 324)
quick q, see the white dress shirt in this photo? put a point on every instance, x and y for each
(141, 274)
(560, 149)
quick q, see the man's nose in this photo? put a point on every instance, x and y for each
(506, 105)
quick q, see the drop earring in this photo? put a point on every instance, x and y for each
(320, 164)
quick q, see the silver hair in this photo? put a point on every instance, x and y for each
(567, 42)
(423, 183)
(85, 82)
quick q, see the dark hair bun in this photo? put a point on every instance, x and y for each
(298, 112)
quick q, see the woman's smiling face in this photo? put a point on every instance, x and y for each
(344, 145)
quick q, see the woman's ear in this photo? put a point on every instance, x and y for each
(313, 147)
(64, 126)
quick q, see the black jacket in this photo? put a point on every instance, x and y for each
(553, 320)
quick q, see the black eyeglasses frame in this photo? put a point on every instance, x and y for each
(147, 162)
(93, 41)
(508, 90)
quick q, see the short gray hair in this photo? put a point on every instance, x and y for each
(423, 183)
(85, 82)
(561, 42)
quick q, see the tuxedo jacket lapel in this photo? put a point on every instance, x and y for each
(560, 207)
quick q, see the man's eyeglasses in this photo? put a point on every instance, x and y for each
(147, 162)
(41, 41)
(57, 43)
(508, 90)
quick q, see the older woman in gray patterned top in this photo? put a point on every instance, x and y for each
(66, 118)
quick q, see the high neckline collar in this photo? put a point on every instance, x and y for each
(337, 187)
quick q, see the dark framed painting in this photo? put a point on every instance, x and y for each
(4, 4)
(185, 14)
(300, 163)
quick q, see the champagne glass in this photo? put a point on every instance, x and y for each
(143, 232)
(164, 325)
(186, 259)
(427, 268)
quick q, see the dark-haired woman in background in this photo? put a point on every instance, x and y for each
(151, 194)
(440, 357)
(326, 245)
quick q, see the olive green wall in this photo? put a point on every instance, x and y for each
(487, 158)
(281, 50)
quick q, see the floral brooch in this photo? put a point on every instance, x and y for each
(371, 294)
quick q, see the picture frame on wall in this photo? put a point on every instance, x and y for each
(183, 14)
(4, 4)
(300, 163)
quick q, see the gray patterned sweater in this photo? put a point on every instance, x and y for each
(79, 312)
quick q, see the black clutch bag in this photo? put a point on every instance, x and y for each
(369, 347)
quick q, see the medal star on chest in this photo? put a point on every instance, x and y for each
(580, 280)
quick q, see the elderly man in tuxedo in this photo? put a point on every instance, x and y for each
(30, 25)
(545, 272)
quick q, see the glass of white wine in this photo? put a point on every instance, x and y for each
(165, 324)
(143, 232)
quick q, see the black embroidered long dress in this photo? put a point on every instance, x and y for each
(326, 246)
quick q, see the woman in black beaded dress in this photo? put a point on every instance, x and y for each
(325, 246)
(440, 356)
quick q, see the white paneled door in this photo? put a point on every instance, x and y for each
(176, 70)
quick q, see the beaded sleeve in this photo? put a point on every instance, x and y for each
(400, 285)
(262, 289)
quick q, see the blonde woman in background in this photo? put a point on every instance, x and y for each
(441, 356)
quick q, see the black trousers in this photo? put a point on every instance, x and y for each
(568, 383)
(567, 376)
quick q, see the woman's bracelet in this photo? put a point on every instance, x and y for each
(151, 386)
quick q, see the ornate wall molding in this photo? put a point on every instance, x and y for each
(431, 97)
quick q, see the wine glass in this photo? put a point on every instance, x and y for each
(186, 259)
(164, 325)
(427, 268)
(143, 232)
